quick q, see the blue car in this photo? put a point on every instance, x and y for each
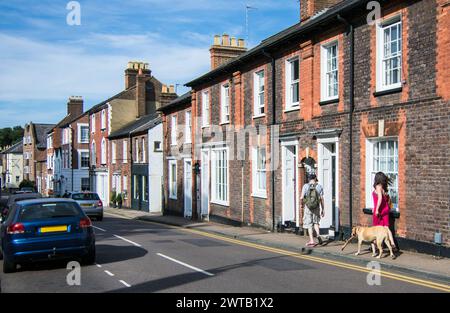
(46, 229)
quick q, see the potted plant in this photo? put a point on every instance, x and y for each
(113, 199)
(119, 200)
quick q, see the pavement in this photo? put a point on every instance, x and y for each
(423, 265)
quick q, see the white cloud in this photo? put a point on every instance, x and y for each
(38, 70)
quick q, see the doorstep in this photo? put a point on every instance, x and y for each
(407, 262)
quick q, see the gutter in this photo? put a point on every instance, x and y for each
(272, 143)
(350, 35)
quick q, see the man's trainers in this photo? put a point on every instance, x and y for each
(320, 239)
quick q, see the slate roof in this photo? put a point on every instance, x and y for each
(184, 99)
(318, 20)
(41, 131)
(144, 123)
(16, 148)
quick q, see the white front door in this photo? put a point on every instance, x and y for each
(102, 188)
(328, 180)
(289, 184)
(205, 184)
(187, 188)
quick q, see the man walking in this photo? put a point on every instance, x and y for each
(311, 201)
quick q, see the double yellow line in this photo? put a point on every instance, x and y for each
(408, 279)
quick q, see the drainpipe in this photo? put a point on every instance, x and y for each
(131, 178)
(273, 122)
(350, 35)
(72, 147)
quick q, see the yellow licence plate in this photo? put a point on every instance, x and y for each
(87, 205)
(54, 229)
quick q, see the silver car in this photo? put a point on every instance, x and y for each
(90, 203)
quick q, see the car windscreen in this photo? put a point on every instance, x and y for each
(43, 211)
(85, 197)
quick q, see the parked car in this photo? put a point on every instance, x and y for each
(46, 229)
(25, 190)
(90, 203)
(13, 199)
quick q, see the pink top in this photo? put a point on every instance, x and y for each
(383, 218)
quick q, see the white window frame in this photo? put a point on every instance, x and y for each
(290, 104)
(144, 155)
(125, 186)
(125, 151)
(225, 104)
(93, 123)
(259, 89)
(80, 126)
(256, 172)
(205, 108)
(103, 154)
(103, 119)
(326, 71)
(225, 192)
(370, 144)
(188, 127)
(136, 149)
(113, 153)
(80, 152)
(380, 58)
(93, 153)
(173, 185)
(173, 130)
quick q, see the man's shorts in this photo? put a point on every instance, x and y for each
(311, 217)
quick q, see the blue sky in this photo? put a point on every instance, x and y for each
(43, 60)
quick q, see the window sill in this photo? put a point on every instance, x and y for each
(259, 196)
(293, 109)
(222, 203)
(224, 123)
(173, 198)
(258, 116)
(387, 92)
(330, 101)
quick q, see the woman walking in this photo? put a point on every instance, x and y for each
(381, 202)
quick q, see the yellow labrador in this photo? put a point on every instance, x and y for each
(376, 234)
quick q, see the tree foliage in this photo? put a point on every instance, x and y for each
(9, 135)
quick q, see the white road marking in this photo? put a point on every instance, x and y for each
(98, 265)
(186, 265)
(101, 229)
(109, 273)
(125, 283)
(129, 241)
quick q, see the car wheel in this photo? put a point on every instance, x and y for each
(8, 267)
(89, 259)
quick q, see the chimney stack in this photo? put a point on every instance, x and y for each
(132, 71)
(75, 106)
(225, 49)
(308, 8)
(167, 95)
(141, 90)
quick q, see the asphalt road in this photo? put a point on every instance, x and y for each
(135, 256)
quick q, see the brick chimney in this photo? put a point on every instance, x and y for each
(75, 106)
(167, 95)
(132, 71)
(308, 8)
(141, 94)
(224, 49)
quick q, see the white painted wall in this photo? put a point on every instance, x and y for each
(14, 165)
(77, 176)
(155, 163)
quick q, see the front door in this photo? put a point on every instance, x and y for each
(290, 184)
(327, 178)
(102, 187)
(188, 188)
(205, 184)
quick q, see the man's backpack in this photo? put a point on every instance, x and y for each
(312, 198)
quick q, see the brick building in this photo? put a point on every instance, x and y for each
(67, 161)
(34, 153)
(142, 96)
(11, 170)
(337, 96)
(178, 166)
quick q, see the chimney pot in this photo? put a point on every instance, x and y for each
(171, 89)
(241, 43)
(216, 40)
(225, 40)
(233, 42)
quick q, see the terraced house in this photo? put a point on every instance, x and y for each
(68, 151)
(337, 94)
(142, 96)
